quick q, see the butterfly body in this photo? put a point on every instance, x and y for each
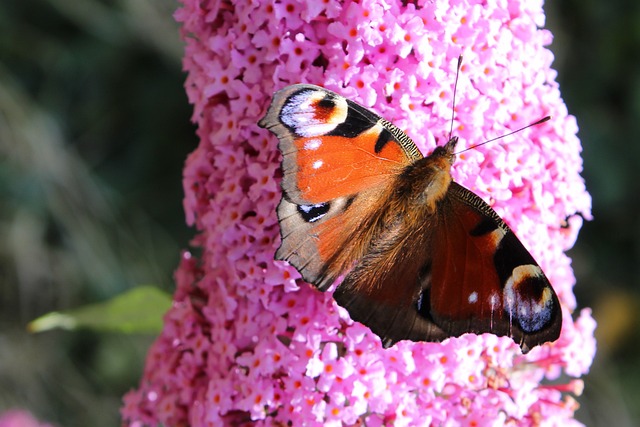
(422, 258)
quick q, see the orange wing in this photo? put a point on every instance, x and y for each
(332, 147)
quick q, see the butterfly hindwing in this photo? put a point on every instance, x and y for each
(384, 289)
(304, 228)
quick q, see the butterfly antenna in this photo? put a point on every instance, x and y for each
(542, 120)
(455, 89)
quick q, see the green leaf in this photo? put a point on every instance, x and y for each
(139, 310)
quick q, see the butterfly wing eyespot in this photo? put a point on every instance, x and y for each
(423, 258)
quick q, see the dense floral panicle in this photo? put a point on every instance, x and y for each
(246, 342)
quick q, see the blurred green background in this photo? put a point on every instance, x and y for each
(94, 130)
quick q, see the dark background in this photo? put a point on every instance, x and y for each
(94, 130)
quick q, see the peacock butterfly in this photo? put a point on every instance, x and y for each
(423, 258)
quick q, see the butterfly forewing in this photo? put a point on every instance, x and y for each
(332, 147)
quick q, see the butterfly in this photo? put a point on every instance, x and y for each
(422, 258)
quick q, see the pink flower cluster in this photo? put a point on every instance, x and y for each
(246, 342)
(20, 418)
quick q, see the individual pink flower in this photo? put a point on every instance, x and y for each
(246, 341)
